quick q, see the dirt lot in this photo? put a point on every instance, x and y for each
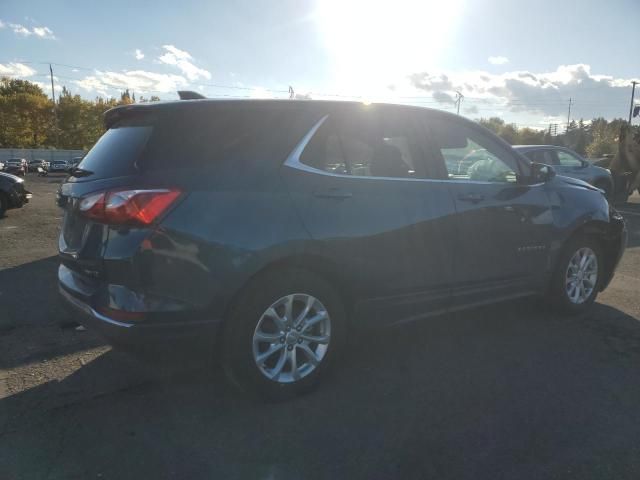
(504, 392)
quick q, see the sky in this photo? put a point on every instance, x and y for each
(521, 61)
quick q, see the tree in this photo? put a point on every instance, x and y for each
(495, 124)
(26, 115)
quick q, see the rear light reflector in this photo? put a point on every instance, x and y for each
(128, 207)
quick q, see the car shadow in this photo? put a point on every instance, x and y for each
(509, 391)
(35, 325)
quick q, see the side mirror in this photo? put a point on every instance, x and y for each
(541, 173)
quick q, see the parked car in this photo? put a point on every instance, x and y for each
(75, 161)
(12, 193)
(1, 166)
(34, 164)
(59, 166)
(568, 163)
(267, 229)
(17, 166)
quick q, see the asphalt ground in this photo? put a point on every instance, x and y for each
(511, 391)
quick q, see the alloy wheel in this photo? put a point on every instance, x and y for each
(292, 338)
(581, 275)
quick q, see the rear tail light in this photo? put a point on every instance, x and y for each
(128, 207)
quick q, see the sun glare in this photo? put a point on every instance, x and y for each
(385, 39)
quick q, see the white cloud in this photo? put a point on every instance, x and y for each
(2, 24)
(141, 81)
(40, 32)
(183, 61)
(539, 93)
(498, 60)
(16, 70)
(20, 29)
(138, 54)
(43, 32)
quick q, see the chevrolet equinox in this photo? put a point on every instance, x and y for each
(268, 229)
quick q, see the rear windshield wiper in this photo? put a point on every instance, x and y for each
(80, 172)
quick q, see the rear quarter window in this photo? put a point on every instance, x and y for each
(204, 139)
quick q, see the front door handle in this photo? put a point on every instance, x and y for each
(333, 193)
(471, 197)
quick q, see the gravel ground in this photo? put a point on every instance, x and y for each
(510, 391)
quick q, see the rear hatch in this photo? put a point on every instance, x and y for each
(183, 146)
(110, 164)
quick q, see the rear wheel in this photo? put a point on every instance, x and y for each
(284, 334)
(576, 281)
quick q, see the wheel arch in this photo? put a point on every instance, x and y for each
(325, 268)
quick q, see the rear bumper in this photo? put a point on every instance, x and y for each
(158, 330)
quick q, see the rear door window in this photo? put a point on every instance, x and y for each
(367, 144)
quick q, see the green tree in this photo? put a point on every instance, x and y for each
(26, 115)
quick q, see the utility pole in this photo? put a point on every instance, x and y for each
(633, 92)
(568, 116)
(459, 98)
(55, 112)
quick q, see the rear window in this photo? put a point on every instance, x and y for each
(196, 138)
(116, 152)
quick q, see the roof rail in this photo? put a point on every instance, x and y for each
(190, 95)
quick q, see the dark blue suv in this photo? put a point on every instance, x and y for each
(268, 229)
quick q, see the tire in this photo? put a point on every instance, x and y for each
(4, 204)
(563, 296)
(261, 308)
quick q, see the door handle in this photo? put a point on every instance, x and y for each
(335, 193)
(471, 197)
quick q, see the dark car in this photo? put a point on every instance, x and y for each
(17, 166)
(38, 163)
(59, 166)
(12, 193)
(568, 163)
(268, 229)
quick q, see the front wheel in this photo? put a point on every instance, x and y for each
(284, 334)
(576, 281)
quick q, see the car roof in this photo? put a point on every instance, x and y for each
(322, 106)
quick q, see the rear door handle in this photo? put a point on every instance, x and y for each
(333, 193)
(471, 197)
